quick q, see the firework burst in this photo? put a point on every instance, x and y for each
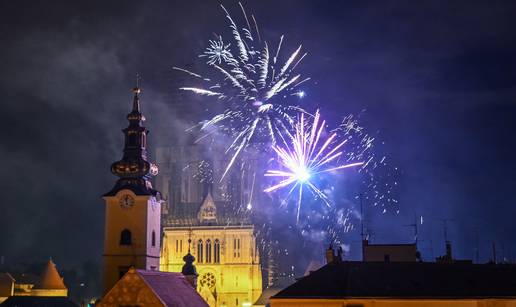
(252, 82)
(305, 156)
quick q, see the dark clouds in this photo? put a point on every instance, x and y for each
(437, 80)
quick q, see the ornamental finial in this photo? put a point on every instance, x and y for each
(136, 91)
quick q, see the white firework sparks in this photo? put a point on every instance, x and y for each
(254, 84)
(217, 52)
(307, 155)
(379, 178)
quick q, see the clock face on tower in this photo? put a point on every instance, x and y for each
(126, 201)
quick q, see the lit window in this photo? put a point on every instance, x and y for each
(216, 251)
(236, 248)
(199, 251)
(208, 251)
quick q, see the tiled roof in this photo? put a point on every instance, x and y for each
(405, 280)
(38, 301)
(50, 279)
(172, 289)
(6, 277)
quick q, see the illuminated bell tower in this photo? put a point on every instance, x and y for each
(133, 207)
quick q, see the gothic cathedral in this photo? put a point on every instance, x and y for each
(205, 209)
(132, 225)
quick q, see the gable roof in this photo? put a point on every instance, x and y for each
(153, 288)
(38, 301)
(405, 280)
(172, 289)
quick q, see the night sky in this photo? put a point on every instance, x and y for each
(437, 81)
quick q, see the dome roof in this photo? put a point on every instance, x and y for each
(50, 279)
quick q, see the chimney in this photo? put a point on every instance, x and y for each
(330, 255)
(365, 243)
(340, 254)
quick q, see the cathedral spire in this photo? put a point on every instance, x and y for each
(133, 169)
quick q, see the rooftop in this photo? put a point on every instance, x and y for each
(172, 288)
(405, 280)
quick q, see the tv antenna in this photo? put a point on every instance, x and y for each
(414, 225)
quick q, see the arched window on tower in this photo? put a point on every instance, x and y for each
(153, 238)
(216, 251)
(125, 237)
(199, 252)
(208, 251)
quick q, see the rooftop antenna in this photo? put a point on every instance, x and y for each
(494, 252)
(445, 227)
(477, 250)
(503, 253)
(445, 231)
(415, 226)
(362, 233)
(432, 249)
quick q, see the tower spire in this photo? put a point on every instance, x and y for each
(133, 169)
(136, 91)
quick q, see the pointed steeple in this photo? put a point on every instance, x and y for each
(133, 169)
(136, 91)
(50, 279)
(135, 117)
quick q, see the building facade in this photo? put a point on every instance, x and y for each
(212, 213)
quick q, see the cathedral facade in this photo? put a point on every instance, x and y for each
(209, 216)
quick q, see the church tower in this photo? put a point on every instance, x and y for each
(133, 207)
